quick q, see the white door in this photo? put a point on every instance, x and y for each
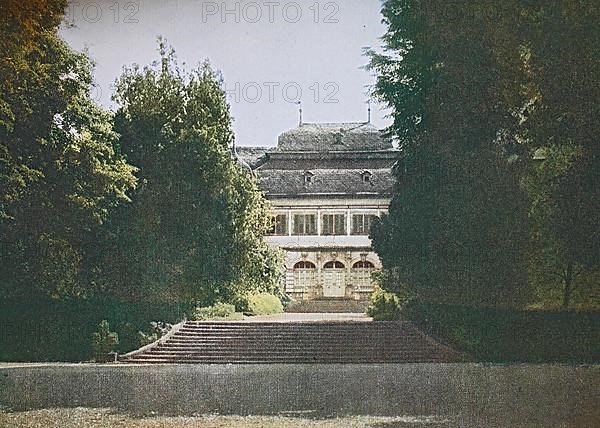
(334, 282)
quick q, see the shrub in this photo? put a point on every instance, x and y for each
(216, 311)
(384, 306)
(157, 330)
(264, 304)
(42, 329)
(104, 341)
(285, 299)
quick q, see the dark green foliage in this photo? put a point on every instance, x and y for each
(73, 246)
(564, 61)
(60, 174)
(457, 227)
(453, 236)
(51, 330)
(504, 336)
(563, 38)
(104, 341)
(157, 330)
(476, 88)
(194, 228)
(564, 258)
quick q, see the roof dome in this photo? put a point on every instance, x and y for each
(333, 137)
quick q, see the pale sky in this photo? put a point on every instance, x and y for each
(268, 51)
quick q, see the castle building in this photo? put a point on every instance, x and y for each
(326, 182)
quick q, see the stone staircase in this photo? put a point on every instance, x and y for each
(293, 342)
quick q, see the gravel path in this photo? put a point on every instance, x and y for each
(308, 317)
(105, 418)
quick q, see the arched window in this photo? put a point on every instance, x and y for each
(334, 265)
(304, 265)
(304, 277)
(363, 265)
(361, 275)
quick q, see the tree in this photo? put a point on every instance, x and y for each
(564, 253)
(564, 46)
(60, 174)
(194, 229)
(457, 226)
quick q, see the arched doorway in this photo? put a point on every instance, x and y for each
(361, 275)
(305, 274)
(334, 279)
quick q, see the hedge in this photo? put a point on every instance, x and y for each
(48, 330)
(502, 335)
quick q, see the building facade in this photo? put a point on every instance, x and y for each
(326, 183)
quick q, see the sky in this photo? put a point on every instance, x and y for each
(272, 54)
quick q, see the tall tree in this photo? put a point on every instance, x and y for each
(563, 260)
(59, 171)
(564, 44)
(194, 230)
(457, 226)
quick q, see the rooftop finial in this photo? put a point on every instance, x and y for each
(299, 112)
(369, 111)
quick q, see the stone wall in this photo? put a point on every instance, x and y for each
(466, 394)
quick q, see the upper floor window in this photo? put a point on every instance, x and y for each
(366, 176)
(305, 224)
(333, 224)
(308, 177)
(361, 223)
(304, 265)
(279, 225)
(363, 265)
(334, 265)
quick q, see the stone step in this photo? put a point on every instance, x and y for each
(293, 360)
(269, 357)
(315, 342)
(301, 323)
(294, 330)
(297, 336)
(290, 349)
(320, 356)
(287, 361)
(312, 326)
(278, 345)
(287, 341)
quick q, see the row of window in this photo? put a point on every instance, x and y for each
(366, 176)
(331, 224)
(335, 265)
